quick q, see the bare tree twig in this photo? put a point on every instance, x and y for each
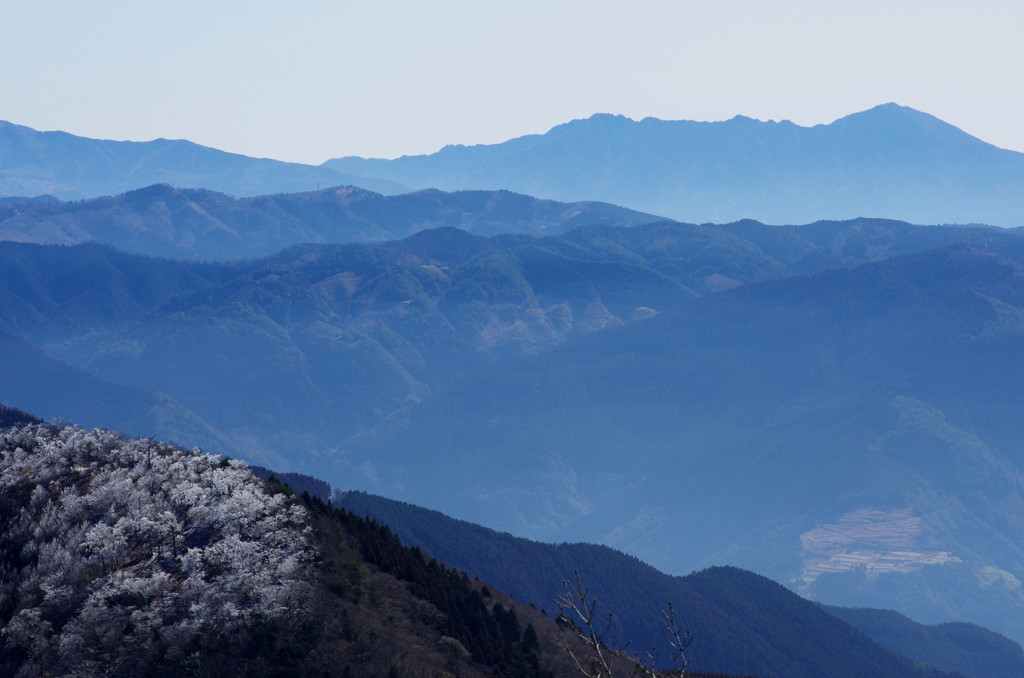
(590, 656)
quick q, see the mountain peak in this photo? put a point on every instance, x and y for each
(892, 113)
(610, 117)
(161, 191)
(893, 118)
(892, 106)
(890, 109)
(595, 121)
(73, 167)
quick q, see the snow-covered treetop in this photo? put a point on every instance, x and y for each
(115, 551)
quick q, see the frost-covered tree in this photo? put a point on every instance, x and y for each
(118, 554)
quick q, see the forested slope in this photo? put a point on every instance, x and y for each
(740, 622)
(127, 557)
(971, 650)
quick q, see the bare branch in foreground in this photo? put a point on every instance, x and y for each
(582, 635)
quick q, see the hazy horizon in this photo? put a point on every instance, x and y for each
(399, 78)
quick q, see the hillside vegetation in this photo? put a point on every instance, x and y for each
(957, 646)
(128, 557)
(740, 622)
(123, 557)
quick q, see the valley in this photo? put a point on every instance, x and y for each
(831, 402)
(566, 387)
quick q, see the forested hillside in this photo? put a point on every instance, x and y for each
(127, 557)
(965, 648)
(740, 622)
(12, 416)
(695, 395)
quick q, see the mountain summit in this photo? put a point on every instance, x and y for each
(72, 167)
(890, 161)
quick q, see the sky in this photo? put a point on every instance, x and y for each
(309, 80)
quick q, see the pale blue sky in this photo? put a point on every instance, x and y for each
(313, 79)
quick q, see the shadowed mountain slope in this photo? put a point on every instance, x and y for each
(971, 650)
(739, 621)
(51, 292)
(12, 416)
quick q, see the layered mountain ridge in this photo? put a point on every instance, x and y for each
(179, 559)
(694, 395)
(72, 167)
(890, 161)
(629, 588)
(161, 220)
(834, 405)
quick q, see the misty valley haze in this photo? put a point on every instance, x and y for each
(835, 405)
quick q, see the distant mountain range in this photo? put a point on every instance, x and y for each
(161, 220)
(70, 167)
(890, 161)
(834, 405)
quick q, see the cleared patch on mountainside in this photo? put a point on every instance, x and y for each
(872, 540)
